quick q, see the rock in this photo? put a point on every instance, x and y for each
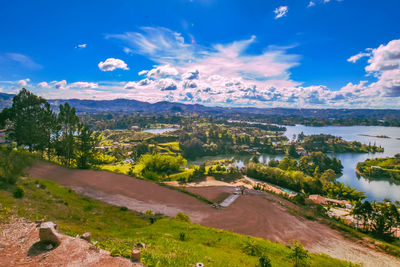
(39, 222)
(136, 254)
(87, 236)
(48, 233)
(141, 245)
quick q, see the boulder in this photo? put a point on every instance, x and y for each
(48, 233)
(87, 236)
(136, 254)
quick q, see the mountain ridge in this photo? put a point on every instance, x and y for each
(123, 105)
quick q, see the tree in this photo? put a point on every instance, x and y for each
(299, 254)
(68, 125)
(328, 176)
(85, 146)
(31, 121)
(292, 151)
(385, 217)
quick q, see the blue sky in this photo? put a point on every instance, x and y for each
(320, 53)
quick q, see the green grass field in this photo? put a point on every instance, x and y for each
(118, 230)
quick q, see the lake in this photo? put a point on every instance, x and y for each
(374, 190)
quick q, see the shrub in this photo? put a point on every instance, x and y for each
(299, 255)
(19, 192)
(123, 208)
(299, 199)
(253, 249)
(182, 236)
(264, 261)
(149, 212)
(182, 217)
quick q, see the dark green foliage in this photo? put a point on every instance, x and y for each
(19, 192)
(31, 121)
(68, 123)
(329, 143)
(182, 236)
(264, 261)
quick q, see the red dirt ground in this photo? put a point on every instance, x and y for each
(256, 213)
(19, 247)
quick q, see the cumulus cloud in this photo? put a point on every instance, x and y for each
(84, 85)
(162, 71)
(281, 11)
(43, 85)
(112, 64)
(226, 75)
(191, 75)
(60, 84)
(23, 83)
(384, 64)
(167, 84)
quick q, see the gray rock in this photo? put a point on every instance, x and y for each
(87, 236)
(48, 233)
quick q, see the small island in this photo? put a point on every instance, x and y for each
(381, 169)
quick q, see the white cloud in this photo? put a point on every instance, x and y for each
(81, 46)
(23, 83)
(60, 84)
(311, 4)
(281, 11)
(355, 58)
(85, 85)
(43, 85)
(112, 64)
(160, 44)
(162, 71)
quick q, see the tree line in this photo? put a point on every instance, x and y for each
(32, 124)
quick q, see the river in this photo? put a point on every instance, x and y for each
(374, 190)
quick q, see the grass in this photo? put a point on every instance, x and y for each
(118, 230)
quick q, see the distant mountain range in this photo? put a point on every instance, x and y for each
(129, 106)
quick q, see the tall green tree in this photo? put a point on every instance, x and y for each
(68, 126)
(86, 141)
(31, 121)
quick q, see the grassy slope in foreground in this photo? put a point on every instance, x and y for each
(117, 230)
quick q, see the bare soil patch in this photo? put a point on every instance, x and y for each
(20, 246)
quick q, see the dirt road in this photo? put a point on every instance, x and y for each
(255, 213)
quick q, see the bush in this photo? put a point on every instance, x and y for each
(123, 208)
(182, 217)
(182, 236)
(19, 192)
(264, 261)
(299, 199)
